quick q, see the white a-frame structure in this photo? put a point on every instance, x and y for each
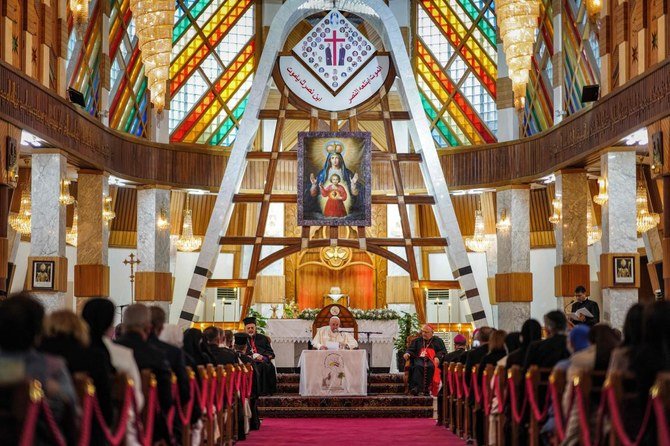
(379, 16)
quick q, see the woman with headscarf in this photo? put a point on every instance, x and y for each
(531, 331)
(196, 350)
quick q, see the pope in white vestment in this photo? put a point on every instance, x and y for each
(331, 335)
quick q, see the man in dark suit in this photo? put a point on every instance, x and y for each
(260, 350)
(175, 356)
(582, 301)
(222, 355)
(137, 327)
(546, 353)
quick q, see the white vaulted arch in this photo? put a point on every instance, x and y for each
(381, 18)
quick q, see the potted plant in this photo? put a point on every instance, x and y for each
(408, 324)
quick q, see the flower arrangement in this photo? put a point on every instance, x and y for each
(379, 314)
(290, 310)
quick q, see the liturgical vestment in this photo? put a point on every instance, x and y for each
(324, 335)
(267, 374)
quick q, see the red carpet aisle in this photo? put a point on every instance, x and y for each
(351, 432)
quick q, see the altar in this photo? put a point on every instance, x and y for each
(333, 372)
(290, 337)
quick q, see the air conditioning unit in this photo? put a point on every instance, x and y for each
(227, 300)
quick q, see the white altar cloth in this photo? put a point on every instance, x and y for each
(333, 372)
(287, 333)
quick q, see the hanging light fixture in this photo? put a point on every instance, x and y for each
(503, 224)
(71, 236)
(593, 8)
(556, 204)
(645, 220)
(108, 213)
(593, 232)
(478, 242)
(79, 9)
(65, 198)
(21, 222)
(154, 20)
(162, 220)
(517, 22)
(187, 242)
(602, 196)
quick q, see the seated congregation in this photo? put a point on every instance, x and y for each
(66, 379)
(551, 385)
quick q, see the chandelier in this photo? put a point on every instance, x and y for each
(65, 198)
(79, 9)
(593, 8)
(71, 236)
(517, 21)
(108, 213)
(154, 20)
(503, 224)
(593, 232)
(556, 204)
(21, 222)
(645, 220)
(187, 242)
(602, 196)
(478, 242)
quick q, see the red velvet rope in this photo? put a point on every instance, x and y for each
(221, 392)
(116, 438)
(250, 382)
(558, 412)
(475, 387)
(581, 412)
(230, 393)
(458, 381)
(517, 415)
(151, 417)
(238, 380)
(466, 388)
(185, 417)
(30, 423)
(530, 393)
(53, 427)
(486, 400)
(204, 397)
(661, 421)
(86, 419)
(499, 395)
(450, 381)
(617, 423)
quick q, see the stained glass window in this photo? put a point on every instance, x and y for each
(581, 54)
(128, 98)
(84, 57)
(213, 61)
(539, 109)
(455, 53)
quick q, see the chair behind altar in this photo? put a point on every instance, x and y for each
(347, 319)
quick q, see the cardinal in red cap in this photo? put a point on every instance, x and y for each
(425, 354)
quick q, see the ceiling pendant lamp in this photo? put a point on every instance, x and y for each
(517, 22)
(154, 21)
(479, 242)
(187, 242)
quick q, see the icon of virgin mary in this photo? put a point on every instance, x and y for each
(333, 193)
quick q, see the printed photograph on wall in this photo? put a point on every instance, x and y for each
(334, 180)
(43, 275)
(624, 270)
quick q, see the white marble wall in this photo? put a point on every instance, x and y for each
(619, 227)
(571, 240)
(153, 244)
(513, 250)
(48, 216)
(93, 232)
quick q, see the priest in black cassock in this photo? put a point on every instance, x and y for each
(426, 353)
(582, 301)
(260, 349)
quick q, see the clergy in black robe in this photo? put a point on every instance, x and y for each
(425, 352)
(582, 301)
(260, 350)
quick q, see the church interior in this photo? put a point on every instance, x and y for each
(368, 204)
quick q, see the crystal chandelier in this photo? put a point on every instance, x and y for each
(645, 220)
(108, 213)
(602, 196)
(71, 236)
(556, 204)
(187, 242)
(503, 224)
(478, 242)
(21, 222)
(154, 20)
(79, 9)
(65, 198)
(593, 232)
(517, 21)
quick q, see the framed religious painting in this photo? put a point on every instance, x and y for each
(334, 179)
(43, 275)
(624, 270)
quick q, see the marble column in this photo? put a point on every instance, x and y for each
(48, 227)
(91, 273)
(557, 63)
(153, 279)
(508, 118)
(514, 281)
(619, 234)
(572, 266)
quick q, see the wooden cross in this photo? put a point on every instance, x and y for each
(132, 262)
